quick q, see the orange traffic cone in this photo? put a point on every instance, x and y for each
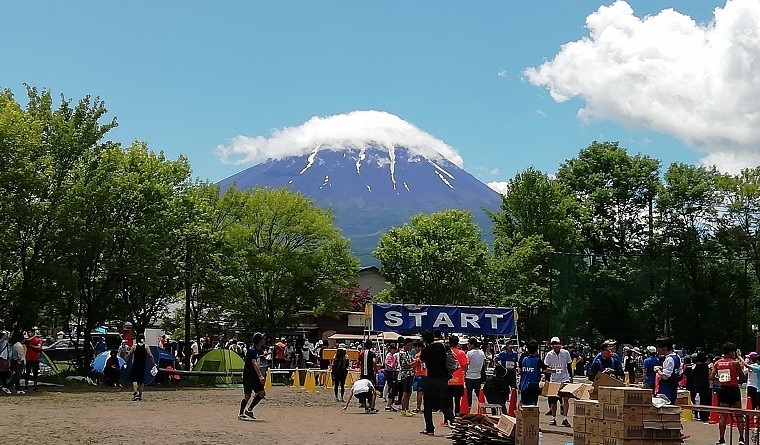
(464, 406)
(714, 416)
(512, 403)
(481, 402)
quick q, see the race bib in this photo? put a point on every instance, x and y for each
(510, 365)
(558, 370)
(724, 375)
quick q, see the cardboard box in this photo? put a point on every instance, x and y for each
(616, 441)
(579, 420)
(579, 428)
(579, 438)
(585, 407)
(551, 389)
(507, 425)
(604, 380)
(669, 409)
(630, 396)
(527, 425)
(682, 398)
(623, 413)
(665, 434)
(580, 391)
(620, 430)
(597, 411)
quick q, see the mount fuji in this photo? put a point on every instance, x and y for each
(371, 183)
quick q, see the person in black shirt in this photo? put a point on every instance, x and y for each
(253, 378)
(435, 390)
(700, 378)
(367, 361)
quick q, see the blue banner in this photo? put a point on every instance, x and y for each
(460, 319)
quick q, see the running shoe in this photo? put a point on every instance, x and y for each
(249, 413)
(20, 392)
(6, 390)
(553, 422)
(373, 411)
(391, 409)
(566, 423)
(720, 442)
(407, 413)
(244, 417)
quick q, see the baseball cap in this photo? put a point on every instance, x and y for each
(257, 336)
(752, 355)
(555, 340)
(342, 346)
(651, 349)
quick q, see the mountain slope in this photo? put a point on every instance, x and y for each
(374, 188)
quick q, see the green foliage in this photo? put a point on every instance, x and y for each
(285, 255)
(437, 259)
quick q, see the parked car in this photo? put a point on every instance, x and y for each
(63, 350)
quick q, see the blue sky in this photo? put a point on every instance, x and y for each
(189, 76)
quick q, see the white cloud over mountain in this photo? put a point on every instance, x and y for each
(666, 72)
(356, 129)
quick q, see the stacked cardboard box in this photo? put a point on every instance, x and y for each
(625, 416)
(526, 425)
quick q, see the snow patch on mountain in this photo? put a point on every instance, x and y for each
(349, 131)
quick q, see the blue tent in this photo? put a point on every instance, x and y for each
(162, 358)
(99, 362)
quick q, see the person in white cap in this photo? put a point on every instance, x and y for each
(560, 362)
(340, 371)
(649, 364)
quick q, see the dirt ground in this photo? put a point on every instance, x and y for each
(209, 416)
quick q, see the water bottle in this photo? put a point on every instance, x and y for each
(540, 438)
(697, 401)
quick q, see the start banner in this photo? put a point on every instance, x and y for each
(461, 319)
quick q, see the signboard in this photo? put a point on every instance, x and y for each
(460, 319)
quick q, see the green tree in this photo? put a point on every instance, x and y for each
(286, 256)
(616, 192)
(437, 259)
(39, 149)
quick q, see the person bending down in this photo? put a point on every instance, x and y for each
(365, 392)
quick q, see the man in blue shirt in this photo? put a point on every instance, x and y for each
(607, 362)
(253, 377)
(649, 363)
(531, 370)
(508, 360)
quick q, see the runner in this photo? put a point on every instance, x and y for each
(365, 392)
(473, 377)
(531, 370)
(728, 373)
(253, 378)
(456, 383)
(140, 351)
(508, 360)
(559, 361)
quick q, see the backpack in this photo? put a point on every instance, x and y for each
(452, 364)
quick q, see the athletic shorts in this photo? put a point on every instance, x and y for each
(252, 384)
(529, 396)
(418, 384)
(456, 390)
(406, 384)
(364, 397)
(729, 395)
(754, 396)
(553, 399)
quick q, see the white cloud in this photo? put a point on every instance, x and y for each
(502, 73)
(499, 186)
(697, 82)
(354, 130)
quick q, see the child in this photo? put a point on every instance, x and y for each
(112, 370)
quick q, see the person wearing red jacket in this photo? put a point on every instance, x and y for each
(33, 344)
